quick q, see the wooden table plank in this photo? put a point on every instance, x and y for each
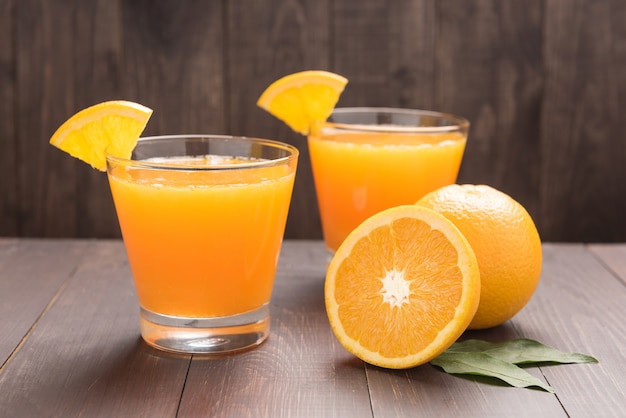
(560, 314)
(613, 256)
(410, 392)
(426, 391)
(84, 357)
(23, 293)
(580, 306)
(300, 371)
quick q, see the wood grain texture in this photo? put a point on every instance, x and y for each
(84, 357)
(583, 150)
(68, 312)
(98, 64)
(174, 63)
(21, 263)
(300, 371)
(45, 68)
(9, 205)
(613, 256)
(579, 307)
(66, 59)
(542, 87)
(489, 71)
(426, 391)
(356, 24)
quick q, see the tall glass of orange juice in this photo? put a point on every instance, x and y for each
(365, 160)
(202, 218)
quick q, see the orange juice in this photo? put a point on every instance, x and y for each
(359, 173)
(202, 243)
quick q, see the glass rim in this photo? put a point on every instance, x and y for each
(155, 165)
(458, 123)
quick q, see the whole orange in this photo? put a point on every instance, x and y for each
(505, 241)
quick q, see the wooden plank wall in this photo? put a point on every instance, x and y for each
(543, 83)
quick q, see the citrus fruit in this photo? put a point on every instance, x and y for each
(402, 287)
(303, 99)
(505, 241)
(109, 127)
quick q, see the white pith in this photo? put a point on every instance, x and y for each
(396, 289)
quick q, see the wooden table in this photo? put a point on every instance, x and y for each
(70, 346)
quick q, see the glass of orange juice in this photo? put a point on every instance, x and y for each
(365, 160)
(203, 218)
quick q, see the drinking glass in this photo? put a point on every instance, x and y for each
(365, 160)
(203, 218)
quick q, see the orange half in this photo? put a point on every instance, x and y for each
(402, 287)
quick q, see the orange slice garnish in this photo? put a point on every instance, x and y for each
(303, 99)
(110, 127)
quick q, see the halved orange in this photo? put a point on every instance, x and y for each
(402, 287)
(303, 99)
(110, 127)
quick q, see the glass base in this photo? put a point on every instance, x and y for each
(329, 256)
(217, 335)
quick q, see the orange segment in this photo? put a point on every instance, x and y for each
(303, 99)
(109, 127)
(402, 287)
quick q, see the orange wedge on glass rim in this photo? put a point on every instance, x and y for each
(303, 99)
(402, 287)
(110, 127)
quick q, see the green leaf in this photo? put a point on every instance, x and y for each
(485, 365)
(521, 351)
(500, 360)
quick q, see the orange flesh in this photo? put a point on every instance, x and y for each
(436, 288)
